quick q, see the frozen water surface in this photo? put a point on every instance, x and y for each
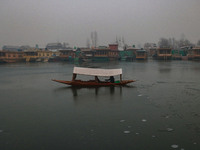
(37, 113)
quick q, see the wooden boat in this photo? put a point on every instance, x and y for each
(96, 82)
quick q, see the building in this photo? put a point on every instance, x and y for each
(11, 48)
(150, 48)
(54, 46)
(164, 53)
(11, 56)
(141, 54)
(113, 46)
(106, 53)
(86, 54)
(67, 54)
(194, 53)
(31, 55)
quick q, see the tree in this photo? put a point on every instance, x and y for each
(164, 43)
(94, 38)
(184, 42)
(88, 43)
(198, 43)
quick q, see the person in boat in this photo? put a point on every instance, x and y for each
(74, 77)
(97, 79)
(111, 79)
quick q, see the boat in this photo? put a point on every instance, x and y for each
(96, 72)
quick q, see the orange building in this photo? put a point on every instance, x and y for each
(11, 56)
(164, 53)
(67, 55)
(194, 53)
(141, 55)
(113, 46)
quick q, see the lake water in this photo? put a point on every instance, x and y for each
(161, 110)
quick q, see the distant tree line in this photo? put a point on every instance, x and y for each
(175, 44)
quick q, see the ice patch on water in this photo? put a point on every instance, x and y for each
(169, 129)
(122, 120)
(126, 132)
(166, 130)
(136, 133)
(194, 143)
(1, 131)
(174, 146)
(153, 136)
(144, 120)
(182, 149)
(140, 95)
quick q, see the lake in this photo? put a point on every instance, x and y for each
(161, 110)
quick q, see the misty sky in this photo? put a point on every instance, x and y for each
(30, 22)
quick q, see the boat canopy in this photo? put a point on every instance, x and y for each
(97, 72)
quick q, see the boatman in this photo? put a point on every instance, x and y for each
(97, 79)
(112, 79)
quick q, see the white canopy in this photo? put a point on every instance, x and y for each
(97, 72)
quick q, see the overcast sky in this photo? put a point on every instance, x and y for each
(30, 22)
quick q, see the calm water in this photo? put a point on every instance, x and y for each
(159, 111)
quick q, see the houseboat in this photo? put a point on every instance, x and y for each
(164, 53)
(176, 55)
(86, 54)
(31, 55)
(100, 54)
(11, 56)
(46, 55)
(67, 54)
(104, 53)
(141, 55)
(194, 53)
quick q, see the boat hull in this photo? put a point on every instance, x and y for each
(92, 83)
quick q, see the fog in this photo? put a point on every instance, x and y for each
(30, 22)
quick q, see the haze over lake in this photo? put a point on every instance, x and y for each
(28, 22)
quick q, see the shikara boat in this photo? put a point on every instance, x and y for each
(96, 73)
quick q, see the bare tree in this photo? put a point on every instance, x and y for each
(184, 42)
(92, 39)
(95, 39)
(164, 43)
(88, 43)
(198, 43)
(117, 41)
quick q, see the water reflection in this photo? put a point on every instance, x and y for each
(164, 67)
(76, 91)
